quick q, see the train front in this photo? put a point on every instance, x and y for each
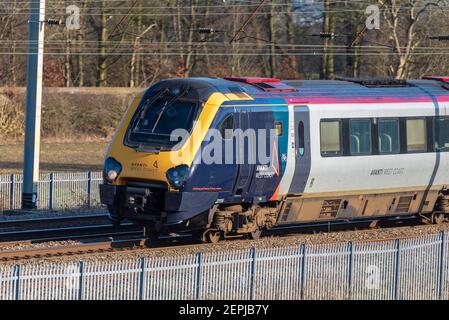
(150, 157)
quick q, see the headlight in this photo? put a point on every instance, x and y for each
(177, 176)
(112, 169)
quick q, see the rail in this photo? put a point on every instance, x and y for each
(63, 227)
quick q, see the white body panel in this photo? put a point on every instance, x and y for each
(291, 162)
(353, 173)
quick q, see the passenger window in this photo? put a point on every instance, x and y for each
(330, 137)
(442, 134)
(389, 136)
(278, 129)
(360, 136)
(226, 128)
(301, 142)
(416, 135)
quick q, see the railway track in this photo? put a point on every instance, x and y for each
(116, 246)
(63, 228)
(134, 240)
(22, 223)
(77, 249)
(69, 233)
(93, 246)
(104, 238)
(93, 237)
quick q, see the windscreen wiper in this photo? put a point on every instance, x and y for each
(142, 112)
(150, 102)
(166, 105)
(147, 149)
(155, 149)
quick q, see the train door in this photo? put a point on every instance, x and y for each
(302, 149)
(245, 168)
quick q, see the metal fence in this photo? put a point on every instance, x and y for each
(58, 191)
(399, 269)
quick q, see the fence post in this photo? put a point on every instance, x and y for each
(350, 268)
(11, 193)
(442, 265)
(50, 196)
(80, 285)
(17, 276)
(198, 276)
(303, 269)
(397, 269)
(89, 188)
(253, 272)
(142, 278)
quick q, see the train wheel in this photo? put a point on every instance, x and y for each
(438, 218)
(374, 224)
(255, 235)
(151, 235)
(113, 217)
(212, 236)
(115, 223)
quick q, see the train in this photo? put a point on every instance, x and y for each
(226, 157)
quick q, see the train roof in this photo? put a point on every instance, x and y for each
(344, 90)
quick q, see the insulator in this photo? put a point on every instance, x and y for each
(327, 35)
(53, 22)
(440, 38)
(206, 30)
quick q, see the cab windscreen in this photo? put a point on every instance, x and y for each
(156, 119)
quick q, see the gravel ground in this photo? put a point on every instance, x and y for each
(265, 242)
(23, 245)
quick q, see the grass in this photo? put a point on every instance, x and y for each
(56, 157)
(67, 113)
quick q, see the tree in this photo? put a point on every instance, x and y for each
(402, 20)
(329, 26)
(134, 59)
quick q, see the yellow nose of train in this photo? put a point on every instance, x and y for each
(131, 157)
(150, 160)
